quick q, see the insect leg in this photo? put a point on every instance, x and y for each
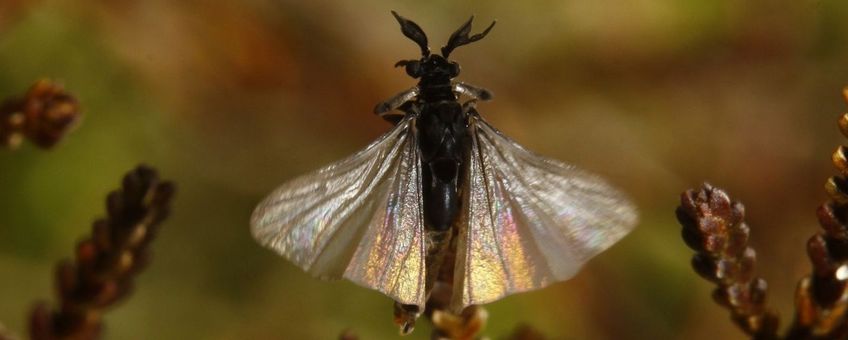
(405, 316)
(396, 101)
(472, 91)
(469, 107)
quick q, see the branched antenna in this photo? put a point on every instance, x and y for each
(412, 31)
(460, 37)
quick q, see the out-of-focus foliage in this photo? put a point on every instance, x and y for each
(230, 99)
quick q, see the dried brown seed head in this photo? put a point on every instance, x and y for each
(49, 113)
(44, 115)
(106, 262)
(714, 226)
(843, 124)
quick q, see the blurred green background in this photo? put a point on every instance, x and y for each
(230, 99)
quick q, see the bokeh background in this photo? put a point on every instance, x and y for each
(230, 99)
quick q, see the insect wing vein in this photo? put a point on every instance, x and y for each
(359, 218)
(530, 220)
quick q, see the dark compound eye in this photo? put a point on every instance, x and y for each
(454, 69)
(413, 69)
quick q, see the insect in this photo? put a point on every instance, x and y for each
(443, 204)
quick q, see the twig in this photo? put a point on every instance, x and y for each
(106, 261)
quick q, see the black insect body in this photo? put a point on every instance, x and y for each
(443, 134)
(443, 210)
(442, 122)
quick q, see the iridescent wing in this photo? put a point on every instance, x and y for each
(530, 220)
(359, 218)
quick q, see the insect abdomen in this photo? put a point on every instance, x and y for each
(444, 147)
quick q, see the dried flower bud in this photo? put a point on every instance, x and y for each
(43, 115)
(11, 124)
(831, 219)
(837, 188)
(49, 112)
(106, 262)
(714, 227)
(843, 124)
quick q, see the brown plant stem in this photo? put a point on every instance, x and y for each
(43, 115)
(106, 261)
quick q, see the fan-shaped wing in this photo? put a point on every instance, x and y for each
(530, 220)
(359, 218)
